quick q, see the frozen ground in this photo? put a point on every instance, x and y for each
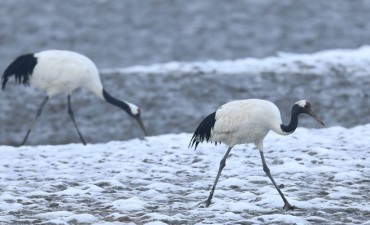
(325, 172)
(175, 96)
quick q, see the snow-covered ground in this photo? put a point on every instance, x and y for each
(325, 172)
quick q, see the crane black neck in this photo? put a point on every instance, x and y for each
(290, 128)
(116, 102)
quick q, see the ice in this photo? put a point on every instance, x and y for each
(276, 219)
(83, 218)
(54, 215)
(11, 207)
(155, 223)
(131, 204)
(62, 217)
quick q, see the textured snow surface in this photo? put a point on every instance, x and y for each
(325, 172)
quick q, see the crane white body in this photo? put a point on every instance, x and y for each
(59, 71)
(246, 121)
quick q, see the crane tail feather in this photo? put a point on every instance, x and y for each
(203, 131)
(22, 68)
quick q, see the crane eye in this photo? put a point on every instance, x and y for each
(308, 105)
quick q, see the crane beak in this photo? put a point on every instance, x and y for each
(311, 113)
(140, 122)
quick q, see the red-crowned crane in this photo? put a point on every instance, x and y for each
(59, 71)
(248, 121)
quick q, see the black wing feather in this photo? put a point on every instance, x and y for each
(203, 132)
(22, 68)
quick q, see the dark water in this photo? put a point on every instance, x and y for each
(176, 102)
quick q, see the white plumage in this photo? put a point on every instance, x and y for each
(59, 71)
(247, 121)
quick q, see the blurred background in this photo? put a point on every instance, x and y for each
(123, 33)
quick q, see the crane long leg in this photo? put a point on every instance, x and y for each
(287, 206)
(71, 114)
(39, 111)
(222, 165)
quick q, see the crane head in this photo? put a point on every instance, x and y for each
(134, 111)
(137, 117)
(304, 106)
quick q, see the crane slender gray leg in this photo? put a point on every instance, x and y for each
(71, 114)
(287, 206)
(39, 111)
(222, 165)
